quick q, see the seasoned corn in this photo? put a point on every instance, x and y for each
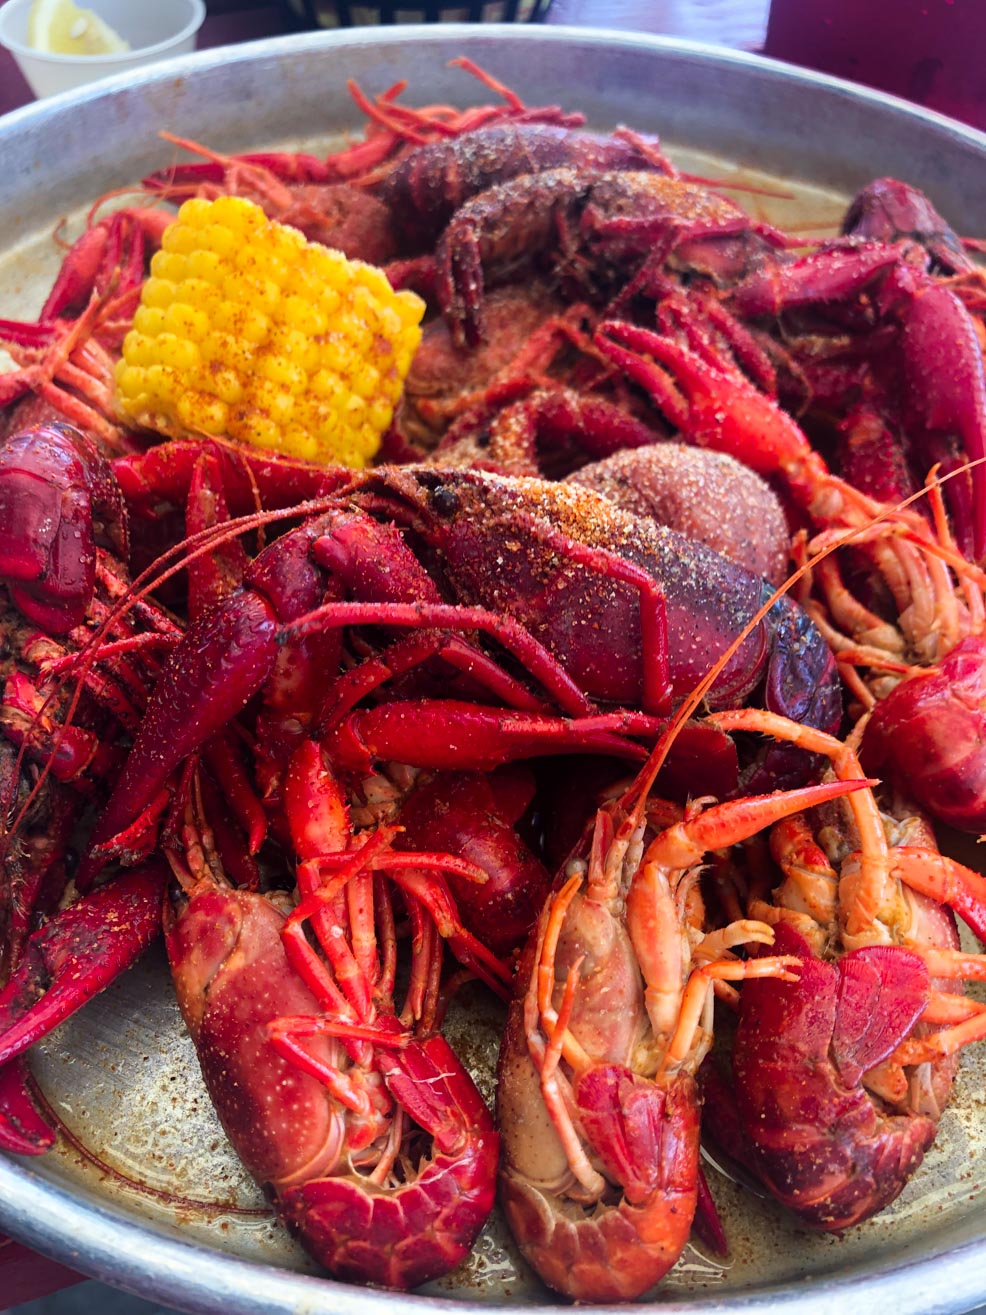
(248, 331)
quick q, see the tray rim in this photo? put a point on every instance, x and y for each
(245, 52)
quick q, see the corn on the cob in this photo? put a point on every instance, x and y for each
(248, 331)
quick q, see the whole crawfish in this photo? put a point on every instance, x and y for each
(62, 712)
(356, 1117)
(519, 560)
(919, 613)
(608, 232)
(597, 1101)
(839, 1080)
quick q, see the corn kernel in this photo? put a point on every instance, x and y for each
(178, 353)
(242, 320)
(325, 422)
(279, 370)
(185, 321)
(157, 293)
(179, 238)
(226, 350)
(366, 383)
(226, 384)
(230, 212)
(329, 301)
(200, 294)
(285, 244)
(199, 411)
(330, 267)
(338, 354)
(205, 264)
(138, 349)
(303, 282)
(168, 265)
(149, 320)
(196, 212)
(255, 290)
(162, 382)
(380, 415)
(298, 440)
(302, 316)
(298, 347)
(410, 308)
(274, 270)
(129, 378)
(248, 426)
(390, 325)
(375, 282)
(326, 384)
(222, 242)
(247, 330)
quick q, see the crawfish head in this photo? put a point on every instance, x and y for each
(573, 568)
(647, 1139)
(55, 489)
(612, 1242)
(928, 735)
(887, 210)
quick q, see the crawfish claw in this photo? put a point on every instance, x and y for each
(23, 1131)
(77, 954)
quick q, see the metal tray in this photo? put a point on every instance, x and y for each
(142, 1191)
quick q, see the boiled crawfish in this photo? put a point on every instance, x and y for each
(520, 558)
(62, 712)
(321, 1083)
(839, 1080)
(596, 1093)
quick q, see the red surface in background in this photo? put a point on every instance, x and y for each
(24, 1275)
(928, 51)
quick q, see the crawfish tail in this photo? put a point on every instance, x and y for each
(404, 1236)
(616, 1252)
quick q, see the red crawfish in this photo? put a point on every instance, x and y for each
(430, 184)
(292, 189)
(597, 1101)
(608, 233)
(550, 572)
(923, 600)
(355, 1115)
(65, 715)
(839, 1080)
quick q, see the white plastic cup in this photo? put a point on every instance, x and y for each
(156, 29)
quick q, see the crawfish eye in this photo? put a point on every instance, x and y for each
(445, 500)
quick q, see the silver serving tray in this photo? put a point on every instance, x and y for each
(142, 1191)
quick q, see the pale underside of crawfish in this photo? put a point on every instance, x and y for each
(233, 980)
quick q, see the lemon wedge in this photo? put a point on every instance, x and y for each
(59, 27)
